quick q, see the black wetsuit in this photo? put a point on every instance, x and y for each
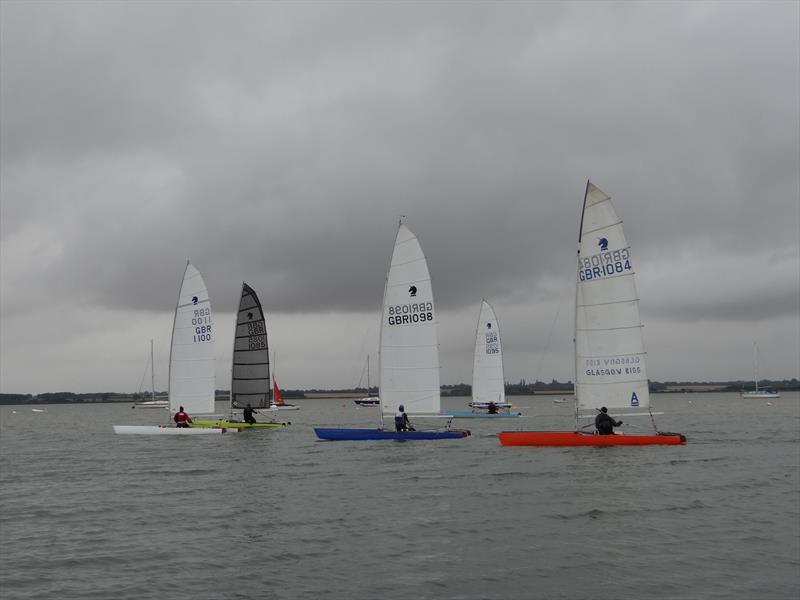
(248, 415)
(605, 424)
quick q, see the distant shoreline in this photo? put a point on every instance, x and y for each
(460, 391)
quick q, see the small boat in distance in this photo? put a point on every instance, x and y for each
(367, 400)
(488, 381)
(277, 399)
(763, 392)
(609, 348)
(152, 403)
(409, 350)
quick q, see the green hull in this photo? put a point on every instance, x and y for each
(235, 424)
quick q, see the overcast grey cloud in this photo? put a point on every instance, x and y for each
(279, 143)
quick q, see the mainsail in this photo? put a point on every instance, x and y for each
(409, 351)
(250, 372)
(488, 383)
(191, 357)
(609, 350)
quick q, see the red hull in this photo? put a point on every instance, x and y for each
(580, 438)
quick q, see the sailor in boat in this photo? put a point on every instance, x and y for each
(182, 418)
(492, 408)
(247, 415)
(604, 423)
(401, 422)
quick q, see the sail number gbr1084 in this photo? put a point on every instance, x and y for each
(408, 314)
(201, 321)
(604, 264)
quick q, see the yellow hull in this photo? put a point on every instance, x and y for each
(235, 424)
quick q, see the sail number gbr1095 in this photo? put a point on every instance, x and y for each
(201, 321)
(604, 264)
(408, 314)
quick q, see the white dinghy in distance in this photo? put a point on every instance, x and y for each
(488, 380)
(191, 360)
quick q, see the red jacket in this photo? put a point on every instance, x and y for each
(181, 416)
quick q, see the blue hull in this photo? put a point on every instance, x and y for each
(330, 433)
(468, 414)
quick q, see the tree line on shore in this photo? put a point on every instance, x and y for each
(522, 388)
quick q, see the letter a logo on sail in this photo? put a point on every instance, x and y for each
(634, 399)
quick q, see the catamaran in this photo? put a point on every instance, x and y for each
(488, 382)
(409, 349)
(249, 367)
(609, 349)
(191, 360)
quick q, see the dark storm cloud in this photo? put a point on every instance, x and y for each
(279, 143)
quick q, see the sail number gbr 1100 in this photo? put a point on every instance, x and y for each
(604, 264)
(201, 321)
(408, 314)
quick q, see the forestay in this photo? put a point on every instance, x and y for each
(609, 350)
(191, 359)
(409, 352)
(488, 383)
(250, 371)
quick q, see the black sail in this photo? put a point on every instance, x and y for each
(250, 373)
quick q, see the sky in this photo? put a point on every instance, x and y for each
(280, 143)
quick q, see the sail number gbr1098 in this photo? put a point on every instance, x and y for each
(604, 264)
(201, 321)
(408, 314)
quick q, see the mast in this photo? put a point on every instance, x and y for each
(152, 375)
(172, 339)
(755, 365)
(575, 315)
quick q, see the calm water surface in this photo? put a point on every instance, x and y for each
(277, 514)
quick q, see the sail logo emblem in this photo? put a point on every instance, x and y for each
(412, 291)
(488, 326)
(250, 315)
(603, 243)
(634, 399)
(194, 299)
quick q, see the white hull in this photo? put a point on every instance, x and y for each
(760, 395)
(276, 407)
(158, 430)
(156, 404)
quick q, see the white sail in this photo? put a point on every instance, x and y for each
(609, 350)
(250, 366)
(409, 350)
(191, 358)
(488, 383)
